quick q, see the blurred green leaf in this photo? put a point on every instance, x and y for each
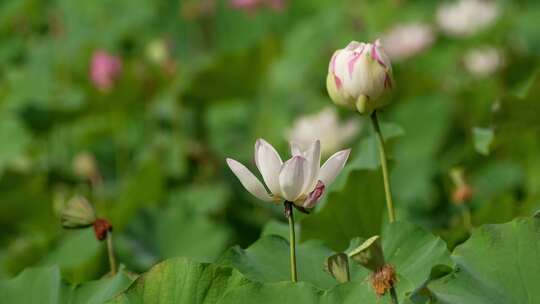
(483, 139)
(78, 255)
(181, 280)
(44, 285)
(15, 141)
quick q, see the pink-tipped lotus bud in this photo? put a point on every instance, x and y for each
(358, 76)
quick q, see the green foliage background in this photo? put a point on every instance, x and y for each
(161, 135)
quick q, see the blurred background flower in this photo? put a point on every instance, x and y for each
(404, 41)
(325, 126)
(463, 18)
(253, 5)
(104, 70)
(483, 61)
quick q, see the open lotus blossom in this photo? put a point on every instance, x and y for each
(300, 180)
(358, 75)
(325, 126)
(466, 17)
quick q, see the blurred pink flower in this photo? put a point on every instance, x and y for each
(253, 5)
(248, 5)
(104, 70)
(276, 5)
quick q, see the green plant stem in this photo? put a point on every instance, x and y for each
(289, 213)
(393, 295)
(384, 167)
(466, 214)
(110, 251)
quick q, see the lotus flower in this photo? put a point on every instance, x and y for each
(300, 180)
(358, 75)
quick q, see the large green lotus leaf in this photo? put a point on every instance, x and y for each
(267, 260)
(44, 285)
(181, 280)
(416, 255)
(413, 252)
(499, 264)
(302, 293)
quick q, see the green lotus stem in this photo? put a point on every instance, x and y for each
(466, 214)
(384, 167)
(393, 295)
(289, 213)
(110, 251)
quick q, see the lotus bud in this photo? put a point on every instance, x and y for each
(358, 76)
(337, 265)
(78, 213)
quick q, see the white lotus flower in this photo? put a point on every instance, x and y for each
(325, 126)
(300, 180)
(466, 17)
(358, 75)
(483, 62)
(407, 40)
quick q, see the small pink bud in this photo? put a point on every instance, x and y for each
(104, 70)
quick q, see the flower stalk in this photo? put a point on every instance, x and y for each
(289, 214)
(393, 295)
(110, 252)
(384, 167)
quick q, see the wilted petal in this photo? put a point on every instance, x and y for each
(292, 177)
(248, 180)
(269, 163)
(314, 196)
(333, 166)
(313, 158)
